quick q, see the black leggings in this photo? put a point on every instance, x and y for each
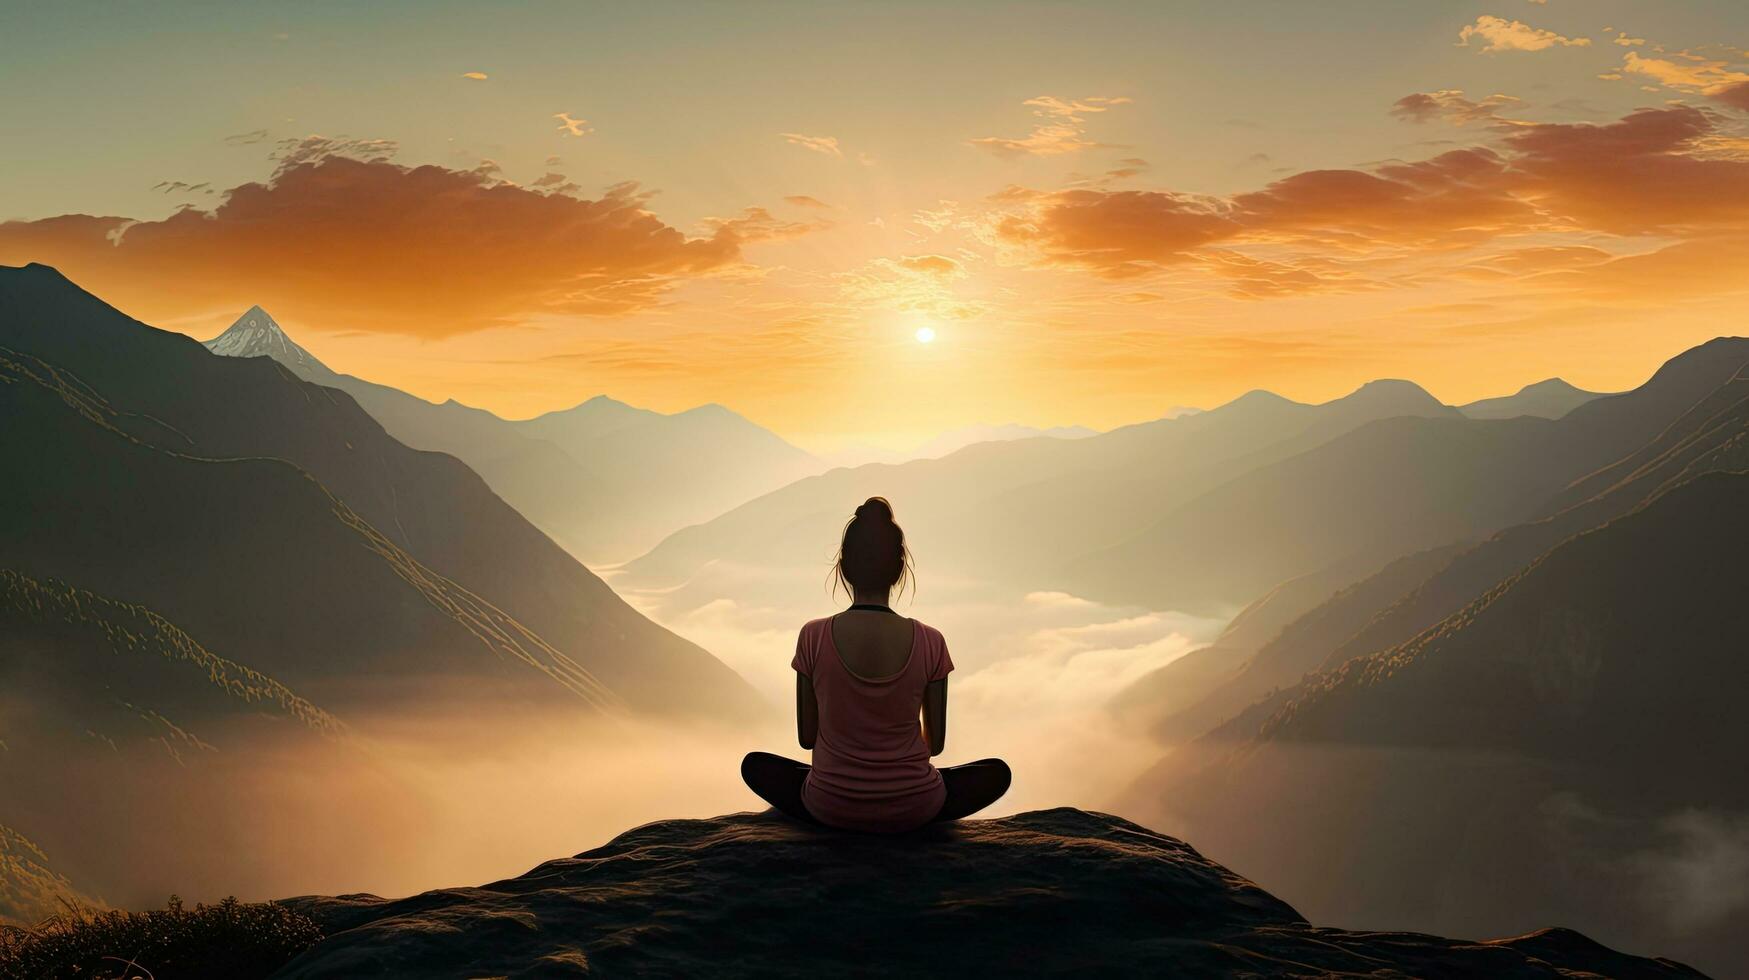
(970, 787)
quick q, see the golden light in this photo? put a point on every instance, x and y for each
(925, 335)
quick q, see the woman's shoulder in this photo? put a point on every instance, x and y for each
(814, 627)
(929, 632)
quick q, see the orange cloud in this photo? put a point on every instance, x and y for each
(1511, 35)
(1735, 96)
(804, 201)
(1115, 233)
(1670, 171)
(478, 76)
(934, 265)
(371, 245)
(1692, 74)
(1062, 131)
(1638, 175)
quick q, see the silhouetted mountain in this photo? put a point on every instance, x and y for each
(604, 479)
(1071, 497)
(1549, 399)
(1415, 592)
(305, 542)
(1209, 686)
(1049, 893)
(1568, 740)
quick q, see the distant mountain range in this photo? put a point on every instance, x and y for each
(1549, 399)
(1202, 512)
(604, 479)
(954, 440)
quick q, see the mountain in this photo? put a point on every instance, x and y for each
(1549, 399)
(255, 334)
(1048, 893)
(954, 440)
(604, 479)
(1391, 486)
(1415, 592)
(306, 542)
(1008, 515)
(1568, 744)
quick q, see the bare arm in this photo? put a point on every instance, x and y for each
(807, 712)
(935, 716)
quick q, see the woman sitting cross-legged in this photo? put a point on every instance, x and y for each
(862, 679)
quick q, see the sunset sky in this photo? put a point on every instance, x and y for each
(1101, 210)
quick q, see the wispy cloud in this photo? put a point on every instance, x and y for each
(1062, 128)
(1501, 34)
(244, 139)
(827, 145)
(1691, 73)
(572, 127)
(478, 76)
(804, 201)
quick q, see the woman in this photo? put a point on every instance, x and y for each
(862, 677)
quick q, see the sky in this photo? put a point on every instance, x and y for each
(1096, 211)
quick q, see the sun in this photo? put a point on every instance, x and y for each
(925, 335)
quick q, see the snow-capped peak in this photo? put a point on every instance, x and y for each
(256, 334)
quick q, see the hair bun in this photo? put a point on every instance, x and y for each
(875, 509)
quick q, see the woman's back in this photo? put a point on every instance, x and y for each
(871, 768)
(871, 701)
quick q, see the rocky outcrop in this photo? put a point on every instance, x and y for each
(1052, 892)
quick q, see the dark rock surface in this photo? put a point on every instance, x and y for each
(1052, 892)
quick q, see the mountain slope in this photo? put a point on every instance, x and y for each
(1177, 702)
(418, 512)
(250, 554)
(1549, 399)
(1049, 893)
(1560, 746)
(1412, 593)
(604, 479)
(1711, 437)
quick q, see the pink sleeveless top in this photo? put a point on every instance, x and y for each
(871, 766)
